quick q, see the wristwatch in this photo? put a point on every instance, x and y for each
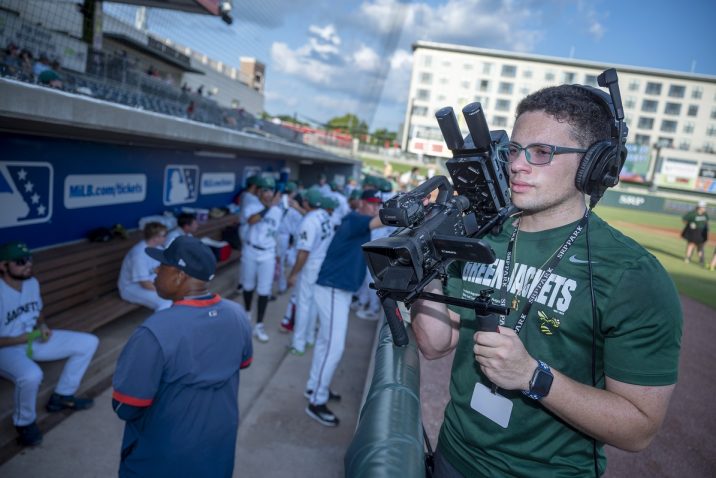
(541, 382)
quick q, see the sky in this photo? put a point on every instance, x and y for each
(326, 58)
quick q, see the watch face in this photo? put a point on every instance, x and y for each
(541, 382)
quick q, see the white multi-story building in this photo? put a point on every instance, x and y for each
(671, 112)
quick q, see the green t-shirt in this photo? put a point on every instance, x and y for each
(700, 221)
(638, 340)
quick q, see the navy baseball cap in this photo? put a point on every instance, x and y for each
(189, 254)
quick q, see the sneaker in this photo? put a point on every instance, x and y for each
(29, 435)
(366, 314)
(322, 415)
(296, 352)
(260, 333)
(67, 402)
(331, 396)
(286, 325)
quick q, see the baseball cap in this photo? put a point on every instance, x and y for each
(329, 203)
(314, 198)
(371, 195)
(702, 203)
(11, 251)
(188, 254)
(290, 187)
(356, 193)
(265, 183)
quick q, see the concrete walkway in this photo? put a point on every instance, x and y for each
(276, 438)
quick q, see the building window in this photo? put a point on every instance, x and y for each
(499, 121)
(427, 61)
(673, 109)
(711, 130)
(444, 81)
(524, 90)
(590, 80)
(689, 127)
(697, 92)
(526, 73)
(713, 113)
(668, 126)
(465, 85)
(549, 76)
(420, 111)
(502, 105)
(630, 102)
(423, 95)
(642, 139)
(645, 123)
(509, 71)
(709, 147)
(484, 85)
(665, 142)
(505, 88)
(441, 98)
(467, 66)
(685, 145)
(486, 68)
(677, 91)
(426, 78)
(649, 106)
(693, 110)
(634, 85)
(447, 64)
(568, 77)
(653, 88)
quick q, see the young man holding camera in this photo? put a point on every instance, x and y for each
(586, 357)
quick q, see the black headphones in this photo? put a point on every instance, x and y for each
(600, 166)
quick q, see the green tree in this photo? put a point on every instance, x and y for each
(381, 135)
(349, 123)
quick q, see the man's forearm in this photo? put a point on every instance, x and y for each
(436, 328)
(301, 259)
(626, 417)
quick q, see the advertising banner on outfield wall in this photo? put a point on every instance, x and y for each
(54, 190)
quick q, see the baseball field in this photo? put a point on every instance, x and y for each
(659, 233)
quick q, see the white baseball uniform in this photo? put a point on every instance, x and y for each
(19, 311)
(314, 236)
(289, 226)
(343, 207)
(248, 202)
(259, 251)
(138, 266)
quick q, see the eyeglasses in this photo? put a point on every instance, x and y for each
(538, 154)
(22, 261)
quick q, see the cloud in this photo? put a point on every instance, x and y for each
(327, 34)
(595, 27)
(301, 64)
(366, 59)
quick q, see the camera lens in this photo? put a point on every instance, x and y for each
(401, 258)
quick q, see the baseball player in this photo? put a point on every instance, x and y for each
(340, 275)
(247, 201)
(314, 237)
(287, 235)
(343, 208)
(259, 250)
(187, 225)
(177, 379)
(136, 277)
(25, 339)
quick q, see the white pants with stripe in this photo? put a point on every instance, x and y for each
(77, 347)
(136, 294)
(304, 328)
(333, 306)
(287, 258)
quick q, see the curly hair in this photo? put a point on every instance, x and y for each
(589, 120)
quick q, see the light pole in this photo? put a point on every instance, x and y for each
(657, 163)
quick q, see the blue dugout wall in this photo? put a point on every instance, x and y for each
(55, 190)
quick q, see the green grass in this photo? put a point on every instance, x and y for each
(691, 280)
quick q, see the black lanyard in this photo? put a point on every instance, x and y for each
(551, 265)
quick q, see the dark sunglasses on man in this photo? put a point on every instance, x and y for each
(22, 261)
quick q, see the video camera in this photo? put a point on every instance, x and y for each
(433, 234)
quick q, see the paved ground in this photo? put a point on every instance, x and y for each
(685, 444)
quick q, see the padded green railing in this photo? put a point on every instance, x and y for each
(388, 441)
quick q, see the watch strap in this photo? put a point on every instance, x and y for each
(543, 367)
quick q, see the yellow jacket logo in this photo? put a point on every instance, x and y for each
(546, 325)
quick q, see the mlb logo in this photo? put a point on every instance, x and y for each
(180, 184)
(25, 193)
